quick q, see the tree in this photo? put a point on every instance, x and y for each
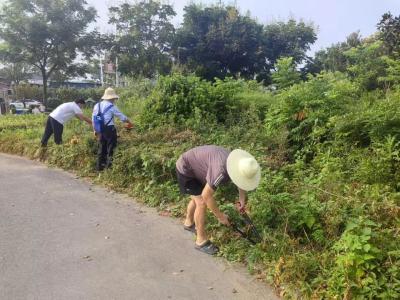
(144, 37)
(367, 64)
(218, 41)
(290, 39)
(333, 58)
(14, 68)
(93, 69)
(16, 72)
(392, 76)
(389, 28)
(47, 34)
(285, 74)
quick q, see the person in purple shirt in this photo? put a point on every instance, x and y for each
(200, 171)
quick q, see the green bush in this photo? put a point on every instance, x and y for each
(189, 100)
(71, 94)
(52, 103)
(26, 91)
(362, 269)
(304, 110)
(370, 119)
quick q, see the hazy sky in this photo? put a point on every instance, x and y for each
(335, 19)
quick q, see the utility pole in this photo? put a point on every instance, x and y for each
(116, 59)
(116, 71)
(101, 72)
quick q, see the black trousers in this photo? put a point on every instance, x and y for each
(52, 127)
(107, 144)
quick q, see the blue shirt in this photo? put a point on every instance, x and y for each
(114, 111)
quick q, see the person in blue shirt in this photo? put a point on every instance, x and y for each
(108, 138)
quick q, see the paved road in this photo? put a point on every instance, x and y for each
(63, 238)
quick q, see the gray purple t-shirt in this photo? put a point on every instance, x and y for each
(207, 164)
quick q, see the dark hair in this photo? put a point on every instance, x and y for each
(80, 101)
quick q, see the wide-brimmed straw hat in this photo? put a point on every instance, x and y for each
(109, 94)
(243, 169)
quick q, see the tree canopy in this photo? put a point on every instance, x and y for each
(47, 34)
(285, 74)
(144, 37)
(218, 41)
(214, 41)
(389, 29)
(333, 58)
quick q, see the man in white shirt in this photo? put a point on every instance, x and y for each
(108, 138)
(58, 117)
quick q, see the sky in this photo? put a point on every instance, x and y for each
(335, 19)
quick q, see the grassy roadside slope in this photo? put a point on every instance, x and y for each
(328, 203)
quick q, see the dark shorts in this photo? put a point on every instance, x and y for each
(188, 185)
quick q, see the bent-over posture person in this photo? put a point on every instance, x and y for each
(200, 171)
(58, 117)
(108, 138)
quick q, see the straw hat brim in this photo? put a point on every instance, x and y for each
(110, 97)
(232, 167)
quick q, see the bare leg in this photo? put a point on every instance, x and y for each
(200, 220)
(190, 212)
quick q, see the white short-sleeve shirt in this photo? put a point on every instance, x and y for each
(65, 112)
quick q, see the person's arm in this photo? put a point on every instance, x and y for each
(84, 118)
(120, 115)
(242, 200)
(208, 198)
(79, 114)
